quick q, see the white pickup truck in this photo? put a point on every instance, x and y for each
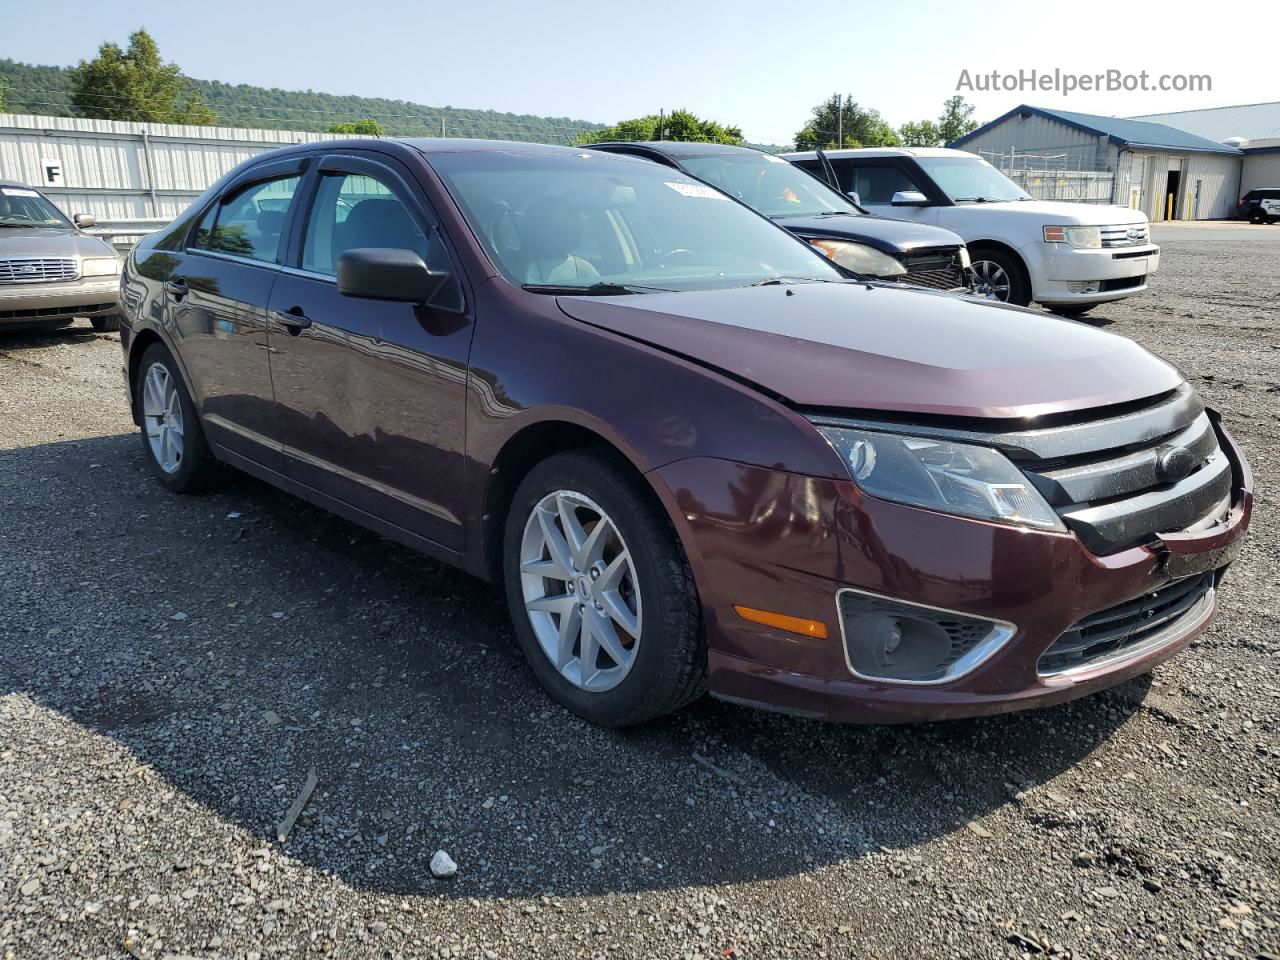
(1067, 256)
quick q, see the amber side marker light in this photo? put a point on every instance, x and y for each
(806, 628)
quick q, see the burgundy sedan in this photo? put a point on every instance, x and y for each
(698, 455)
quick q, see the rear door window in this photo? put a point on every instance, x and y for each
(249, 222)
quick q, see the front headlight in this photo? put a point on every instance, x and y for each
(957, 478)
(860, 258)
(965, 262)
(1080, 238)
(99, 267)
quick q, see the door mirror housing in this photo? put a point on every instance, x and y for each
(382, 273)
(84, 220)
(909, 198)
(853, 195)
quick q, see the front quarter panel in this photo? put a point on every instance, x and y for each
(530, 363)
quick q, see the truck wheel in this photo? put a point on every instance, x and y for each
(999, 276)
(600, 592)
(106, 323)
(172, 438)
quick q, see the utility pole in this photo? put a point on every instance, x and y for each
(661, 122)
(839, 121)
(442, 126)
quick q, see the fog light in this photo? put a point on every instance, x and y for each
(900, 642)
(1083, 286)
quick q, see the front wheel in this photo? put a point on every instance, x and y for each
(600, 592)
(998, 276)
(106, 323)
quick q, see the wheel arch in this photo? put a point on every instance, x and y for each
(537, 441)
(1019, 261)
(141, 342)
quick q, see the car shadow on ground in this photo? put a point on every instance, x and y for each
(233, 641)
(20, 338)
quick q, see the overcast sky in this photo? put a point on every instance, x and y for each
(760, 64)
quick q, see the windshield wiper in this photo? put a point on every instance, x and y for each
(778, 281)
(602, 289)
(981, 200)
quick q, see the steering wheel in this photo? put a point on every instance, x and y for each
(495, 227)
(678, 252)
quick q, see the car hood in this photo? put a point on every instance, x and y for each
(868, 346)
(49, 242)
(881, 233)
(1057, 211)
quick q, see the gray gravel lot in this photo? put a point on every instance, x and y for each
(172, 667)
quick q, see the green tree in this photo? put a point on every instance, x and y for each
(135, 84)
(365, 125)
(838, 121)
(678, 125)
(956, 119)
(4, 94)
(922, 133)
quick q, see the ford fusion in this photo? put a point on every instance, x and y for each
(697, 454)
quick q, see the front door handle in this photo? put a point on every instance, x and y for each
(293, 320)
(176, 288)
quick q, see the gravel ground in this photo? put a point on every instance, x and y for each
(171, 668)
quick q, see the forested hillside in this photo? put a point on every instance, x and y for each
(47, 90)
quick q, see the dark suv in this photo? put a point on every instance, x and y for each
(879, 247)
(1260, 206)
(696, 455)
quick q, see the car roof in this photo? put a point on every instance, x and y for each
(879, 152)
(15, 183)
(674, 148)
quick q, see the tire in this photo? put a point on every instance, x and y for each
(666, 661)
(1072, 313)
(106, 323)
(194, 468)
(1257, 217)
(999, 276)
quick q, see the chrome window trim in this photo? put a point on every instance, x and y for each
(1002, 632)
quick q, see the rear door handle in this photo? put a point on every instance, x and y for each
(293, 320)
(176, 288)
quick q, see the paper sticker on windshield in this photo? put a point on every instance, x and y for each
(686, 189)
(18, 192)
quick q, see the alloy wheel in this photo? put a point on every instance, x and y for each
(162, 417)
(580, 590)
(990, 280)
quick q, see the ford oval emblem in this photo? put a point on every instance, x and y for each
(1174, 464)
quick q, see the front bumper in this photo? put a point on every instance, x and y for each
(1058, 271)
(802, 539)
(26, 302)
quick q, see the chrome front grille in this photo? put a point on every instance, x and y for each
(1124, 234)
(1123, 495)
(1129, 629)
(937, 271)
(38, 270)
(1117, 476)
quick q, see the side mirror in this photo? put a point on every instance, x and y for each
(382, 273)
(853, 195)
(909, 198)
(85, 220)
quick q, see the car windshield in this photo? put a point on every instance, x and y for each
(557, 222)
(24, 207)
(769, 185)
(971, 180)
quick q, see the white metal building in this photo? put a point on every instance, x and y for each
(1165, 172)
(121, 171)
